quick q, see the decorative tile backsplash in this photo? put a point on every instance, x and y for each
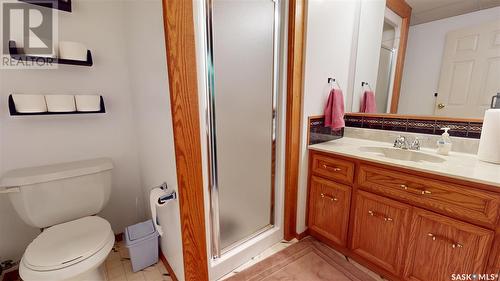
(319, 133)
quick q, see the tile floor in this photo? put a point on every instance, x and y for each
(119, 268)
(267, 253)
(284, 244)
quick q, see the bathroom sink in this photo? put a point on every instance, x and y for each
(401, 154)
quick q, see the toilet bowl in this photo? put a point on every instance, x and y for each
(70, 251)
(62, 199)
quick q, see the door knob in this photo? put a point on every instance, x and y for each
(441, 105)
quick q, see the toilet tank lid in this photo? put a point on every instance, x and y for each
(41, 174)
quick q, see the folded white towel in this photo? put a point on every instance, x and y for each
(60, 103)
(29, 103)
(86, 103)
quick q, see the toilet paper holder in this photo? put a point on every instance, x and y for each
(171, 195)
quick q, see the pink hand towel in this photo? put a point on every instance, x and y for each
(368, 103)
(334, 110)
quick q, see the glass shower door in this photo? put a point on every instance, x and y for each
(242, 97)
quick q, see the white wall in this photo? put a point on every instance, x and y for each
(368, 52)
(28, 141)
(329, 47)
(423, 59)
(153, 120)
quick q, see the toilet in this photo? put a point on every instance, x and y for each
(63, 200)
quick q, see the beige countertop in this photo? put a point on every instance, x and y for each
(456, 165)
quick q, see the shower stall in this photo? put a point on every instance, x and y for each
(243, 120)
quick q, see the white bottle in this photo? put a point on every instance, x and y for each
(444, 143)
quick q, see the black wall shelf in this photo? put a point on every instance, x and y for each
(63, 5)
(13, 111)
(18, 54)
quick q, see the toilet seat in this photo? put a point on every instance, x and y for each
(67, 250)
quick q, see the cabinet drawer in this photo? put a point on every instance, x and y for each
(440, 246)
(380, 230)
(329, 209)
(459, 201)
(333, 168)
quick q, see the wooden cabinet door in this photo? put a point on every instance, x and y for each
(380, 230)
(329, 209)
(440, 246)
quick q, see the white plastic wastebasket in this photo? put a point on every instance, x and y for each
(142, 242)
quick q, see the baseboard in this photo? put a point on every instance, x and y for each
(303, 235)
(119, 237)
(168, 267)
(11, 276)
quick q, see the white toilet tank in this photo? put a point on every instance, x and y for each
(48, 195)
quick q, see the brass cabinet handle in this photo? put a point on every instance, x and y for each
(420, 191)
(441, 105)
(453, 244)
(335, 169)
(332, 198)
(378, 215)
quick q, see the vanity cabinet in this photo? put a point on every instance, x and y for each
(439, 246)
(331, 168)
(455, 200)
(379, 230)
(329, 209)
(400, 223)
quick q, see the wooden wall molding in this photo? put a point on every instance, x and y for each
(295, 74)
(181, 61)
(183, 80)
(401, 8)
(168, 267)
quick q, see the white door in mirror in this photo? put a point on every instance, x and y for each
(470, 71)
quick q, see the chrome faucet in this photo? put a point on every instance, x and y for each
(403, 143)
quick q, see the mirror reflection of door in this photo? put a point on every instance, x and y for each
(431, 58)
(470, 72)
(385, 68)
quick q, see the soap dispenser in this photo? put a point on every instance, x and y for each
(444, 143)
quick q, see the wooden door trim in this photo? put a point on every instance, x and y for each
(295, 74)
(168, 267)
(181, 62)
(401, 8)
(183, 84)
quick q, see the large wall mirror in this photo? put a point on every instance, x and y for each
(438, 58)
